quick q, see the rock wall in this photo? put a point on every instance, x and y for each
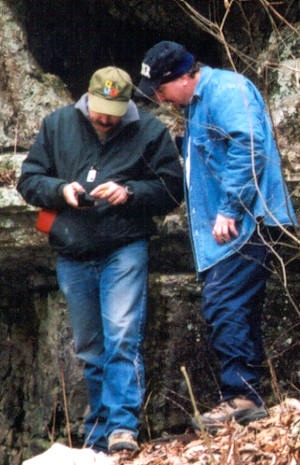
(40, 379)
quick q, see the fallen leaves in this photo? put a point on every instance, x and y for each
(274, 440)
(271, 441)
(7, 177)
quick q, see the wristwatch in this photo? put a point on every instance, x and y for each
(129, 191)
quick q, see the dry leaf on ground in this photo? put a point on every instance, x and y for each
(271, 441)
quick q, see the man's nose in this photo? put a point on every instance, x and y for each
(104, 119)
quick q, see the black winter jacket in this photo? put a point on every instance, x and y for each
(139, 154)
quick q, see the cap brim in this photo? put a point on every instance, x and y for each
(147, 87)
(107, 107)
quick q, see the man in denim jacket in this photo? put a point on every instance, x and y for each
(235, 197)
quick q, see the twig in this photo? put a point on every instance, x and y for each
(197, 415)
(68, 428)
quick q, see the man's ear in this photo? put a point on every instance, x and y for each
(184, 79)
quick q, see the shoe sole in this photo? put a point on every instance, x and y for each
(123, 446)
(242, 418)
(246, 416)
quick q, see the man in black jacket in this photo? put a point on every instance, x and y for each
(106, 168)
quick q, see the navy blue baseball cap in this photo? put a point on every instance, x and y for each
(164, 62)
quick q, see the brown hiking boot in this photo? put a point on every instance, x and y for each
(243, 410)
(122, 441)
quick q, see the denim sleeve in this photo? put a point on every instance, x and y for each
(240, 115)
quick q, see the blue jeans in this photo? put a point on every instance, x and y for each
(107, 300)
(233, 296)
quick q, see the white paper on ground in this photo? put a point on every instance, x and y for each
(59, 454)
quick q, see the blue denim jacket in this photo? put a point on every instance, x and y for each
(232, 165)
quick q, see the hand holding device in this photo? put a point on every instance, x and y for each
(85, 200)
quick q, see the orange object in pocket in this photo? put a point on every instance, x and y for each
(45, 220)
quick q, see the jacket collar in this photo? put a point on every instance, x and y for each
(205, 74)
(130, 116)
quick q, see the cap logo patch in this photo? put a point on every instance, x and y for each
(110, 89)
(146, 70)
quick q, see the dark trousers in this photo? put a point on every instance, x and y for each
(233, 296)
